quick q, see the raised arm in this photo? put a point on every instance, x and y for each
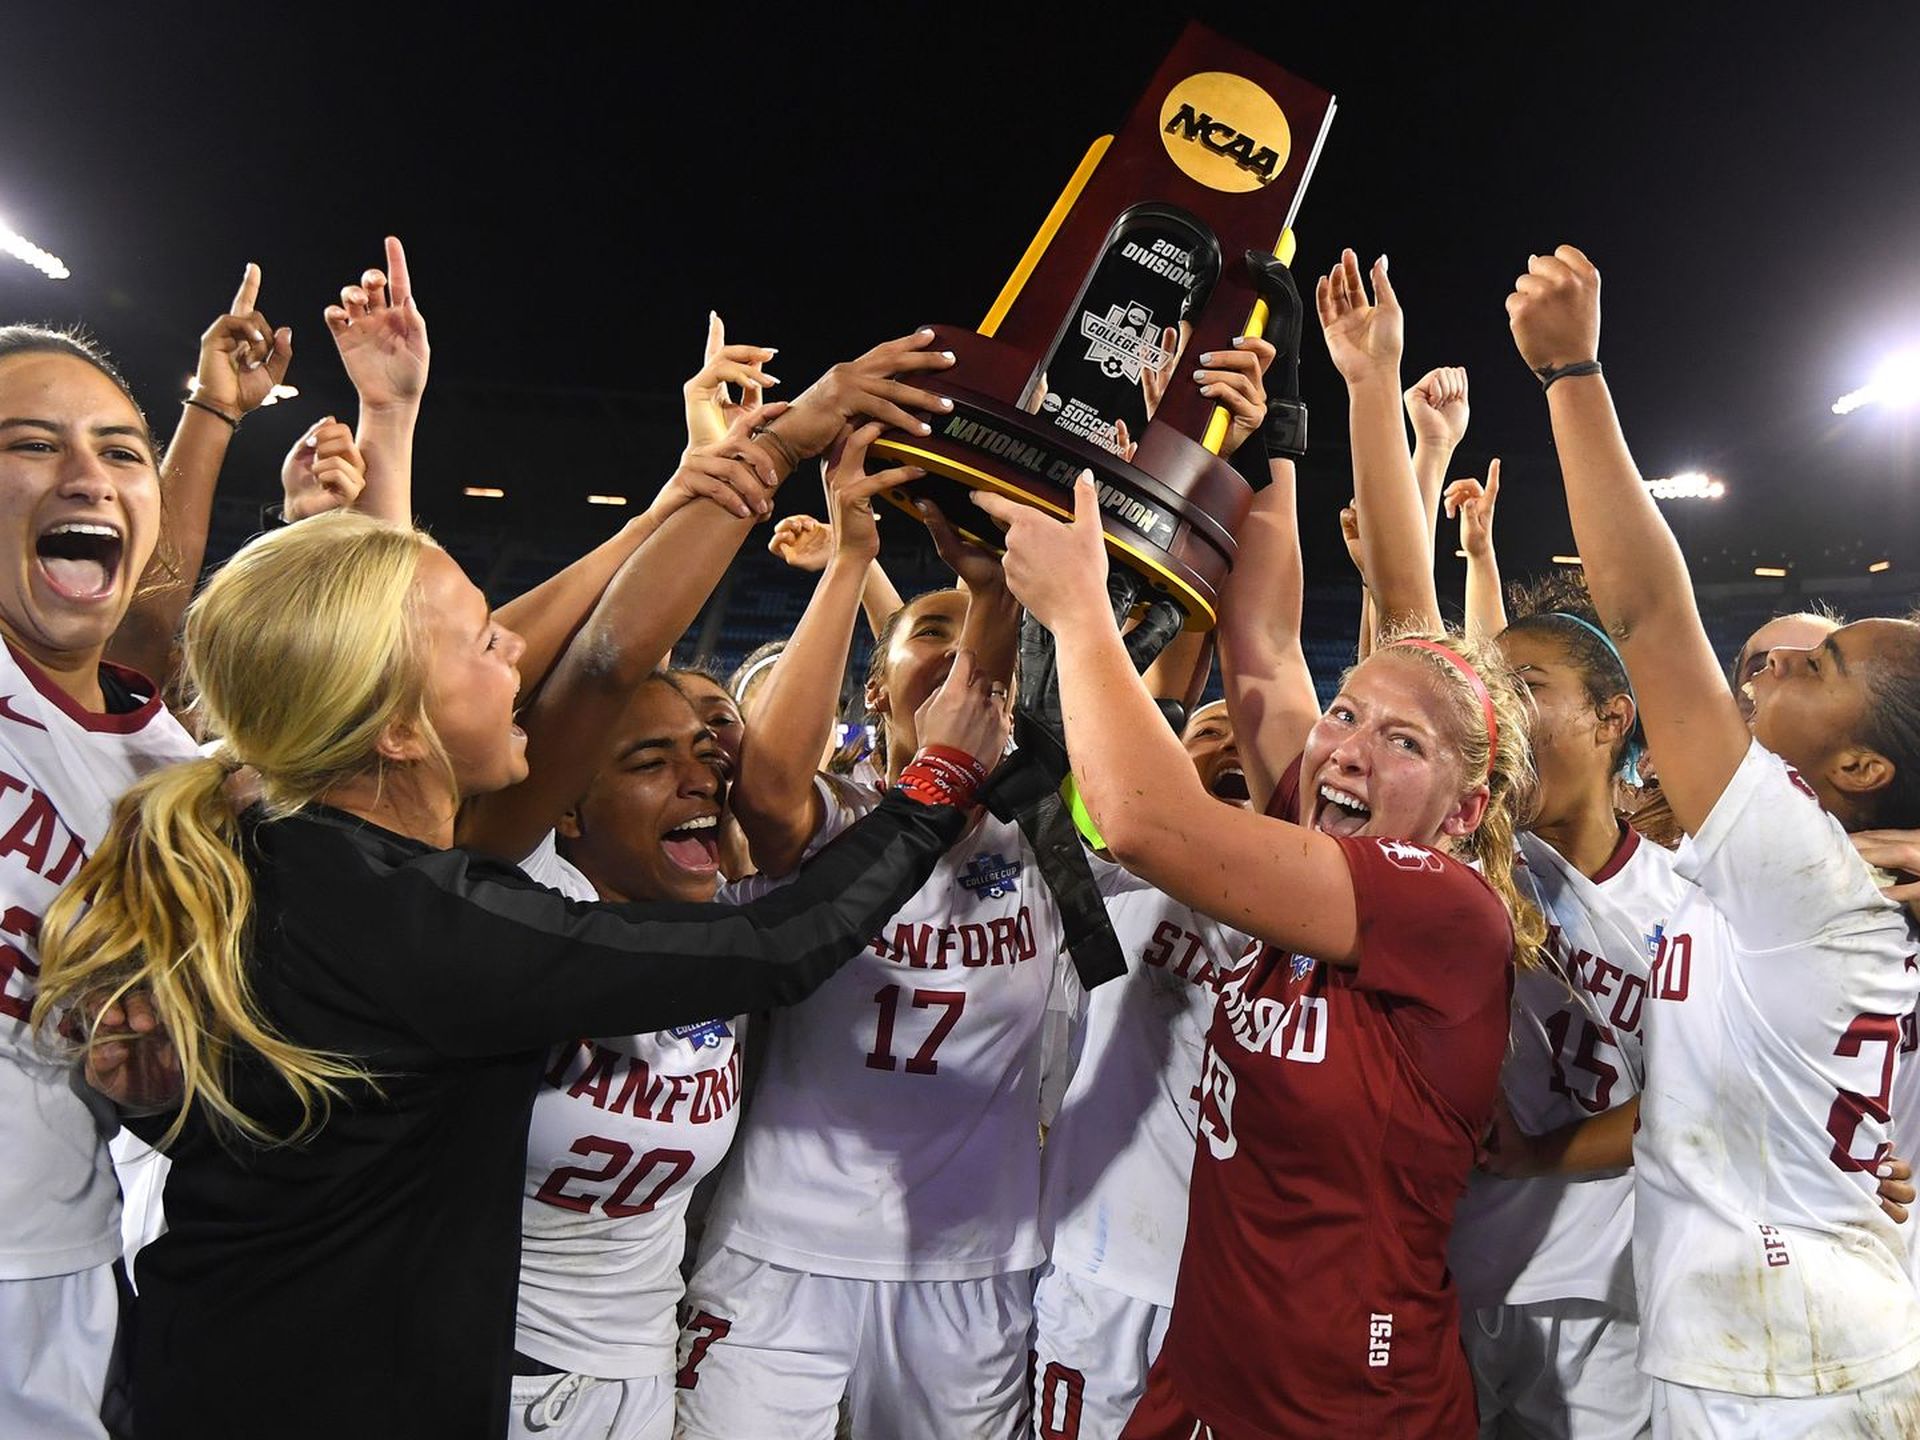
(1472, 502)
(653, 597)
(991, 627)
(807, 544)
(773, 794)
(242, 357)
(1635, 572)
(548, 615)
(1436, 406)
(382, 339)
(1364, 338)
(1263, 667)
(1136, 778)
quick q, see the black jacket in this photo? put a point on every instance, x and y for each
(362, 1283)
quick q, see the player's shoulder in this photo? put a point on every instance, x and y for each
(1405, 880)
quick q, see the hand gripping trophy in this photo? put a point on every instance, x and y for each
(1171, 238)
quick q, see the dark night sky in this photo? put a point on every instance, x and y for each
(575, 193)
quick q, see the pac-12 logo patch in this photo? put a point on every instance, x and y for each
(990, 876)
(1405, 856)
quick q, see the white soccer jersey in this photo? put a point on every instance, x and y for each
(1118, 1156)
(895, 1132)
(61, 769)
(1764, 1263)
(1575, 1053)
(623, 1129)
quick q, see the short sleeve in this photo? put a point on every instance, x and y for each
(1431, 930)
(842, 804)
(1776, 865)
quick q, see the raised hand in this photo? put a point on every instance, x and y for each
(323, 471)
(1058, 571)
(976, 568)
(1364, 336)
(1554, 310)
(382, 336)
(735, 472)
(850, 492)
(242, 357)
(803, 542)
(1473, 503)
(1437, 406)
(711, 407)
(1236, 379)
(865, 388)
(968, 713)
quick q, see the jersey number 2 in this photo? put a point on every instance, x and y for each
(881, 1057)
(1850, 1107)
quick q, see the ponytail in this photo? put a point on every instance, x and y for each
(1503, 760)
(163, 906)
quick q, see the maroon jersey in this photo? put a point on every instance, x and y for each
(1338, 1121)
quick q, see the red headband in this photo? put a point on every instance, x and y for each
(1458, 661)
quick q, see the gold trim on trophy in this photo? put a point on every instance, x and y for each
(953, 469)
(1043, 237)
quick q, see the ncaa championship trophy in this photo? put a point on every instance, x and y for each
(1170, 239)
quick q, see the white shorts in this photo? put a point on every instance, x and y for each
(579, 1407)
(1091, 1350)
(1887, 1411)
(1557, 1370)
(57, 1359)
(768, 1351)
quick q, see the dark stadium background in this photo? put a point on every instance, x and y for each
(576, 186)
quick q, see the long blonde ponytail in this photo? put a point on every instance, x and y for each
(299, 654)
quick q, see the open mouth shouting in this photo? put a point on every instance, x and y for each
(80, 559)
(1230, 784)
(694, 845)
(1340, 812)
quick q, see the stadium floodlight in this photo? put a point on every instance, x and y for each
(1687, 485)
(484, 492)
(279, 393)
(606, 499)
(1770, 572)
(1566, 559)
(1895, 386)
(1879, 567)
(24, 250)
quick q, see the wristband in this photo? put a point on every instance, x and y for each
(1285, 432)
(940, 775)
(1550, 373)
(213, 410)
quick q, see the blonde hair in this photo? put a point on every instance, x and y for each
(299, 654)
(1506, 771)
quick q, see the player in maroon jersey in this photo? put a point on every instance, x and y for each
(1354, 1058)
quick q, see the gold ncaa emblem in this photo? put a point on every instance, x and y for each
(1225, 131)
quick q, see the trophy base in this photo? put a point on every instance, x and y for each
(1169, 514)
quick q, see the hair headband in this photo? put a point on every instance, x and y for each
(1630, 771)
(1459, 662)
(745, 679)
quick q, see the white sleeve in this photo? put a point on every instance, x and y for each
(1776, 865)
(842, 802)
